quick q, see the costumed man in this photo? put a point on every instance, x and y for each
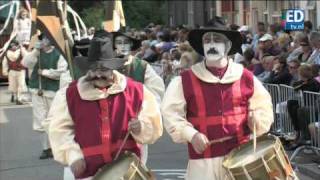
(46, 64)
(216, 99)
(88, 120)
(137, 69)
(12, 67)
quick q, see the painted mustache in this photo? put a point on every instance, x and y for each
(212, 51)
(93, 78)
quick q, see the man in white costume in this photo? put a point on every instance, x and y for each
(98, 110)
(138, 69)
(12, 67)
(46, 65)
(216, 99)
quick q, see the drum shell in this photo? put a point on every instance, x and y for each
(257, 169)
(108, 172)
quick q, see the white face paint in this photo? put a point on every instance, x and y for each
(122, 45)
(214, 46)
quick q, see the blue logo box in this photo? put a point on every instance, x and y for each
(293, 19)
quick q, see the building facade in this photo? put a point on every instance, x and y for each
(240, 12)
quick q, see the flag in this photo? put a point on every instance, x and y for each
(114, 16)
(46, 18)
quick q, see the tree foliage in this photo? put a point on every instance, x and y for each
(138, 13)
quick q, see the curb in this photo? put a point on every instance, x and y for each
(310, 170)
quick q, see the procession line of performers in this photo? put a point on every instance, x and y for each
(88, 119)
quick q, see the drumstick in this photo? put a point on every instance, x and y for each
(123, 143)
(220, 140)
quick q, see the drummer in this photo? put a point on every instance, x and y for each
(213, 106)
(89, 120)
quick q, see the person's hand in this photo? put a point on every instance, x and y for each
(78, 167)
(135, 126)
(199, 142)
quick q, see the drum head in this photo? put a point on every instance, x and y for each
(117, 169)
(245, 154)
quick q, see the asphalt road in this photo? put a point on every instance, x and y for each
(20, 148)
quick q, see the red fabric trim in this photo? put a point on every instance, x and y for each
(200, 103)
(113, 148)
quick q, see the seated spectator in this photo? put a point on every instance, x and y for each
(314, 39)
(300, 116)
(248, 55)
(316, 72)
(279, 73)
(295, 49)
(306, 50)
(293, 70)
(267, 65)
(265, 47)
(186, 61)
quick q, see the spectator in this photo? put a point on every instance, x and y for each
(265, 47)
(261, 30)
(316, 72)
(306, 50)
(314, 39)
(307, 27)
(248, 55)
(267, 65)
(280, 73)
(91, 32)
(295, 49)
(293, 70)
(300, 116)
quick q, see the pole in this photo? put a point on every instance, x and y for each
(63, 20)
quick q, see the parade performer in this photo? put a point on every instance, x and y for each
(12, 67)
(98, 110)
(138, 69)
(46, 65)
(23, 27)
(216, 99)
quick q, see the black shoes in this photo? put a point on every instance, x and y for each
(46, 154)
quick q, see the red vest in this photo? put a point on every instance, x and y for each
(218, 110)
(100, 126)
(15, 65)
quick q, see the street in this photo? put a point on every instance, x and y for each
(20, 148)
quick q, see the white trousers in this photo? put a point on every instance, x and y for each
(40, 107)
(17, 82)
(206, 169)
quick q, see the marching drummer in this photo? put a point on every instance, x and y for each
(90, 120)
(213, 106)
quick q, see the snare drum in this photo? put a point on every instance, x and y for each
(268, 162)
(126, 167)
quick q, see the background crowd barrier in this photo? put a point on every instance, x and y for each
(283, 127)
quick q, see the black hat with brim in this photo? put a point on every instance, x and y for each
(136, 43)
(195, 39)
(100, 52)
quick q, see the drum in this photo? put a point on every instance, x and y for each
(268, 162)
(126, 167)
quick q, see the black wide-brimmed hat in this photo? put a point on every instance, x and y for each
(100, 52)
(136, 43)
(215, 25)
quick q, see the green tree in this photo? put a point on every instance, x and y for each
(138, 13)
